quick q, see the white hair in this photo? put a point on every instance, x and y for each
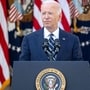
(54, 2)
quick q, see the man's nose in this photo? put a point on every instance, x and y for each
(46, 15)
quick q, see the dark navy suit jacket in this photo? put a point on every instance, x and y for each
(32, 47)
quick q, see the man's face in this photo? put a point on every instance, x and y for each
(50, 16)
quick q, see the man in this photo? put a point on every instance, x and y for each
(36, 45)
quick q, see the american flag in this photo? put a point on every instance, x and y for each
(85, 2)
(15, 12)
(68, 11)
(4, 55)
(73, 10)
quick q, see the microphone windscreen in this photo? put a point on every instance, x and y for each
(57, 43)
(45, 43)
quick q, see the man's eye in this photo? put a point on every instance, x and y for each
(43, 13)
(50, 13)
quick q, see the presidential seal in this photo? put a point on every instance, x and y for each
(50, 79)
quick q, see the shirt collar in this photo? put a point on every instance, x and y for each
(55, 33)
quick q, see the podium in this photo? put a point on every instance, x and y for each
(77, 74)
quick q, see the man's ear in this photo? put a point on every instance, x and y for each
(60, 16)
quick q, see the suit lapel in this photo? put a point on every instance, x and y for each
(40, 38)
(62, 39)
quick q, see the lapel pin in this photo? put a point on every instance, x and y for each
(63, 39)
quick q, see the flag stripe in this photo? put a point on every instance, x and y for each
(4, 55)
(14, 13)
(4, 65)
(4, 6)
(38, 3)
(2, 79)
(73, 10)
(4, 45)
(65, 23)
(85, 2)
(36, 24)
(3, 23)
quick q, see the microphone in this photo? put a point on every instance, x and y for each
(45, 45)
(57, 45)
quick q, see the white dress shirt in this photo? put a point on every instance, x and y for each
(55, 33)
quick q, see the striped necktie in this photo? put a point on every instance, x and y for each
(51, 48)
